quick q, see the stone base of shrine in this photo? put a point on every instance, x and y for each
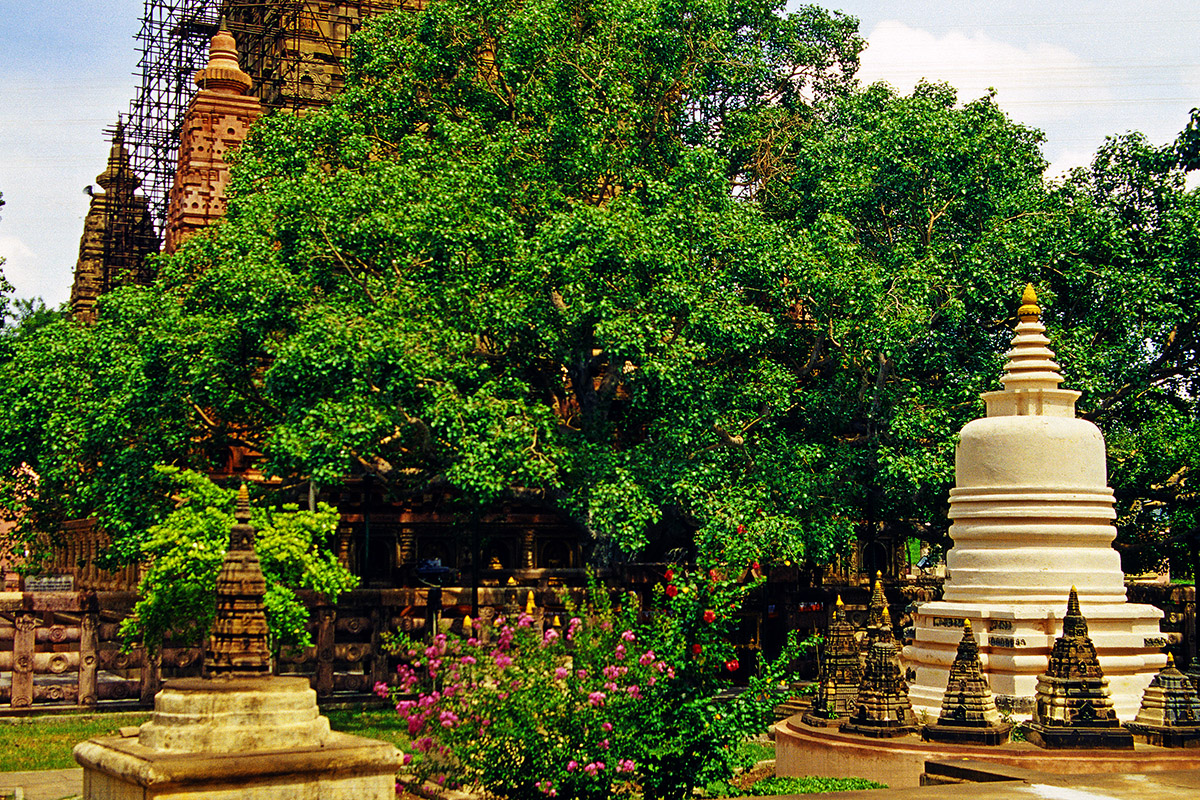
(825, 752)
(1014, 648)
(343, 768)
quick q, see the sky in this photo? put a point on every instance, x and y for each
(1078, 70)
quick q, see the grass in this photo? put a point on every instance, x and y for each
(773, 786)
(33, 743)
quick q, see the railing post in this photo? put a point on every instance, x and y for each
(89, 646)
(325, 651)
(23, 643)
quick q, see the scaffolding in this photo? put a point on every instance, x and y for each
(292, 49)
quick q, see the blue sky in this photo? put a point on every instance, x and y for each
(1079, 71)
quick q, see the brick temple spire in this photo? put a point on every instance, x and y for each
(237, 646)
(216, 122)
(118, 233)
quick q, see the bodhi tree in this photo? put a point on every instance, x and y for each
(661, 264)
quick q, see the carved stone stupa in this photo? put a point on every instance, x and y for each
(1073, 707)
(1170, 712)
(1031, 516)
(841, 673)
(969, 714)
(877, 609)
(240, 732)
(883, 709)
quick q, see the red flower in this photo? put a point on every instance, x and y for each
(672, 590)
(713, 576)
(755, 566)
(731, 665)
(696, 649)
(741, 528)
(670, 576)
(709, 615)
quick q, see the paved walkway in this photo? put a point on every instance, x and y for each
(50, 784)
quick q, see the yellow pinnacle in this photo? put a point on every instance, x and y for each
(467, 624)
(967, 625)
(529, 605)
(887, 617)
(1029, 311)
(557, 623)
(1170, 661)
(839, 603)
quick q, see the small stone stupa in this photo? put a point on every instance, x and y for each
(239, 732)
(877, 609)
(1031, 516)
(1073, 707)
(969, 714)
(841, 673)
(883, 709)
(1170, 712)
(1193, 673)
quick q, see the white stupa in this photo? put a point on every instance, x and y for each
(1031, 517)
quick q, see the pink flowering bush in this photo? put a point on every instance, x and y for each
(612, 699)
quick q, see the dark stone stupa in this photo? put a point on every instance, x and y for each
(1073, 707)
(1170, 712)
(883, 709)
(237, 645)
(841, 673)
(969, 714)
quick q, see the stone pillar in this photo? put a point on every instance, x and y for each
(89, 646)
(23, 645)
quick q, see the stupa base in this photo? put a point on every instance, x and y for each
(345, 768)
(965, 734)
(817, 721)
(878, 731)
(1166, 737)
(1014, 645)
(1053, 737)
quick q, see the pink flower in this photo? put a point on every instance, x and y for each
(467, 659)
(620, 652)
(596, 698)
(604, 744)
(606, 726)
(550, 636)
(380, 689)
(611, 671)
(524, 621)
(628, 636)
(561, 673)
(503, 660)
(647, 658)
(572, 765)
(653, 679)
(625, 765)
(581, 673)
(407, 759)
(634, 692)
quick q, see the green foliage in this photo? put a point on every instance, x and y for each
(613, 698)
(810, 785)
(184, 554)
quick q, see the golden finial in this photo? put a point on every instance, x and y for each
(557, 622)
(467, 624)
(887, 617)
(967, 625)
(242, 512)
(1029, 311)
(839, 603)
(1170, 661)
(878, 575)
(512, 581)
(529, 604)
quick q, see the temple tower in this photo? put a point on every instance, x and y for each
(117, 234)
(1032, 516)
(216, 122)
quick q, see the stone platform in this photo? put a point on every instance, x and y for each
(1014, 647)
(804, 750)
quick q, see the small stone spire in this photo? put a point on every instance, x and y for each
(1073, 706)
(237, 646)
(883, 708)
(1031, 362)
(969, 713)
(877, 613)
(223, 73)
(841, 672)
(118, 176)
(1170, 711)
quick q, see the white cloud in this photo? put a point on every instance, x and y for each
(1038, 84)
